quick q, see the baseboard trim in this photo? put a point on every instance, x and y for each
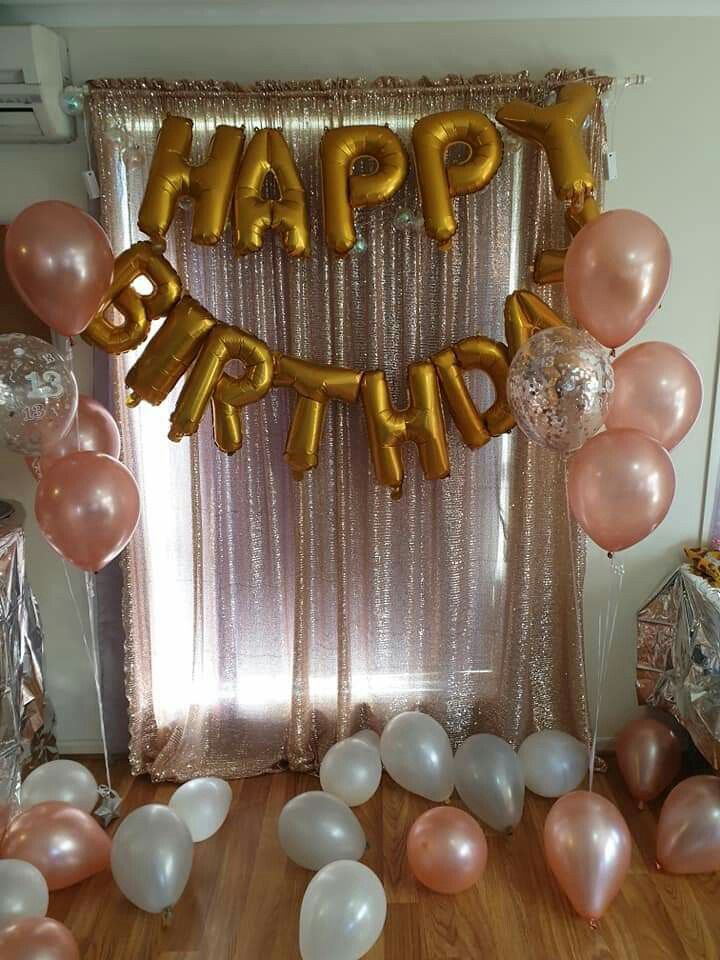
(70, 747)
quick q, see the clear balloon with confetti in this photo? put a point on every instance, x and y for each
(559, 388)
(38, 394)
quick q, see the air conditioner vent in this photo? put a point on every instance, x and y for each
(32, 77)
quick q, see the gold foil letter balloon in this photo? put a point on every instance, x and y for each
(558, 130)
(138, 309)
(525, 314)
(432, 137)
(343, 191)
(421, 422)
(170, 352)
(475, 353)
(266, 154)
(172, 176)
(549, 264)
(315, 384)
(223, 344)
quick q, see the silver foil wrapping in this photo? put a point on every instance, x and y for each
(678, 663)
(26, 715)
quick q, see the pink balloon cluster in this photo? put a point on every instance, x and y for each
(67, 846)
(87, 503)
(621, 482)
(649, 754)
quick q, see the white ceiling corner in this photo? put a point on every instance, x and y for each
(131, 13)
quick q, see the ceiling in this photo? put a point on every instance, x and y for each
(93, 13)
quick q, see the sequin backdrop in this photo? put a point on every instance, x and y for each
(265, 618)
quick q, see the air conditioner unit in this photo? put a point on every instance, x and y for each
(33, 72)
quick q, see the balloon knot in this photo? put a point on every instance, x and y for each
(509, 831)
(658, 866)
(167, 916)
(594, 923)
(641, 804)
(132, 399)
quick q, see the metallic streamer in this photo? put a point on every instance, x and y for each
(678, 656)
(27, 720)
(266, 618)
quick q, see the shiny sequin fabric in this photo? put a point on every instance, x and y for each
(267, 618)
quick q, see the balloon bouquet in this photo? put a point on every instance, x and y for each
(87, 503)
(562, 389)
(87, 506)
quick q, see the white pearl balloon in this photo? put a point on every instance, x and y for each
(202, 805)
(343, 912)
(553, 762)
(316, 828)
(368, 736)
(151, 857)
(66, 781)
(351, 770)
(416, 752)
(489, 779)
(23, 891)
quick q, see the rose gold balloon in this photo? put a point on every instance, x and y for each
(616, 272)
(95, 429)
(37, 938)
(60, 262)
(587, 846)
(447, 850)
(649, 756)
(688, 833)
(620, 486)
(87, 505)
(64, 843)
(658, 389)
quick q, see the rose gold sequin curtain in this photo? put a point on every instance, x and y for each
(267, 618)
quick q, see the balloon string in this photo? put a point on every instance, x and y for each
(577, 599)
(606, 626)
(91, 649)
(606, 634)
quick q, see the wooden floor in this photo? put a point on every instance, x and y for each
(243, 898)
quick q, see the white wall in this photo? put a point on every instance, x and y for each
(668, 146)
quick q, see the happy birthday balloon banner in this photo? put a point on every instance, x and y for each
(228, 180)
